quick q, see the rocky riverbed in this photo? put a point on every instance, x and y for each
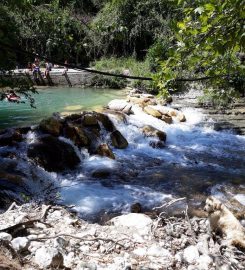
(36, 236)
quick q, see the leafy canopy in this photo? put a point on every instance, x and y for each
(209, 42)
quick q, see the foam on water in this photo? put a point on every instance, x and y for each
(91, 197)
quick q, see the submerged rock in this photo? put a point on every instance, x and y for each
(53, 154)
(118, 140)
(51, 125)
(9, 137)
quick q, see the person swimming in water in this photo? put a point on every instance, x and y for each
(12, 97)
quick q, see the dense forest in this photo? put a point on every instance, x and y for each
(172, 41)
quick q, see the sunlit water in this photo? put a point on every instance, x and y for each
(196, 161)
(49, 100)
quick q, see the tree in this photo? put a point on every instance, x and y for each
(209, 42)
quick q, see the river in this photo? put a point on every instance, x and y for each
(196, 161)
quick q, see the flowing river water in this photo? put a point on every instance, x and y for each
(196, 161)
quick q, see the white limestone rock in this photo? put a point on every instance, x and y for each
(140, 222)
(5, 236)
(117, 104)
(48, 257)
(204, 262)
(140, 251)
(20, 243)
(191, 255)
(157, 251)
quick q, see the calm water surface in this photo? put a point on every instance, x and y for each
(54, 99)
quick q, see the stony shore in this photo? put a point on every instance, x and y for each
(51, 237)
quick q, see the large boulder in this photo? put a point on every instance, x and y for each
(105, 151)
(53, 154)
(76, 134)
(10, 137)
(118, 140)
(150, 131)
(51, 125)
(119, 105)
(153, 112)
(90, 119)
(106, 121)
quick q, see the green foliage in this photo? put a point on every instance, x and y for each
(130, 27)
(21, 86)
(129, 66)
(208, 42)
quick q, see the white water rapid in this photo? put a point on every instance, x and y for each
(195, 162)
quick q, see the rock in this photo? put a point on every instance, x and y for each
(127, 109)
(9, 137)
(140, 252)
(53, 154)
(172, 112)
(77, 135)
(140, 222)
(5, 236)
(179, 257)
(181, 117)
(20, 243)
(11, 178)
(118, 140)
(119, 116)
(157, 251)
(136, 208)
(69, 260)
(191, 255)
(89, 119)
(157, 145)
(106, 122)
(101, 173)
(142, 100)
(117, 104)
(47, 257)
(150, 131)
(204, 262)
(105, 151)
(51, 126)
(167, 119)
(153, 112)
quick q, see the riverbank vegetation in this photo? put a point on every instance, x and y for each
(174, 42)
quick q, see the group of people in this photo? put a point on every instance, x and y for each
(35, 68)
